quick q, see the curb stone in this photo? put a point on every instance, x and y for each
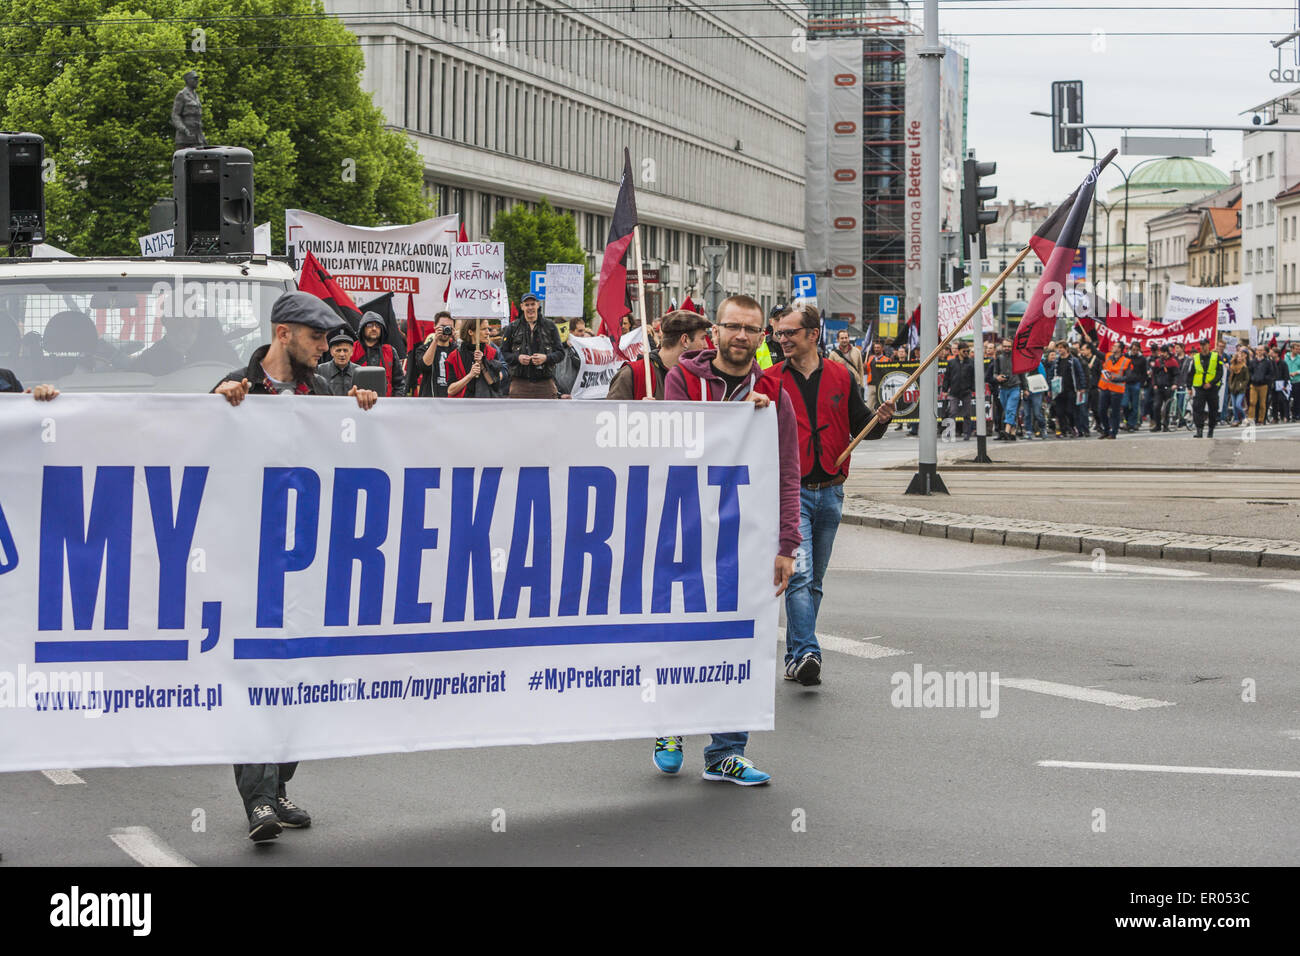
(1074, 539)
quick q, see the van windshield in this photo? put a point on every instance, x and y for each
(132, 333)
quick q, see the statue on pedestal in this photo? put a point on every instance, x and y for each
(187, 114)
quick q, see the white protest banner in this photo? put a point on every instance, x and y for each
(158, 243)
(185, 582)
(564, 288)
(478, 281)
(367, 262)
(1236, 306)
(262, 239)
(599, 365)
(953, 307)
(632, 344)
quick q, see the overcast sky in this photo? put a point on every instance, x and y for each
(1133, 79)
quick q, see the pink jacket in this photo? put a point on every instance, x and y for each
(787, 430)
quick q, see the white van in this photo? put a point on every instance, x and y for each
(136, 324)
(1284, 333)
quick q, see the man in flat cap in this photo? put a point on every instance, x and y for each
(300, 330)
(337, 368)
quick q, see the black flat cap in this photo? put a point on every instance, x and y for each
(303, 308)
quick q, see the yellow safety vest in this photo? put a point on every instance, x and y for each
(1200, 375)
(763, 356)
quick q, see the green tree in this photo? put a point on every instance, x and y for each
(534, 238)
(278, 77)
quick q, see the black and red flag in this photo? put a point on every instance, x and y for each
(321, 284)
(611, 298)
(1055, 243)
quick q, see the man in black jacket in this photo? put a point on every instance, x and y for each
(1137, 376)
(300, 324)
(532, 348)
(1164, 374)
(960, 381)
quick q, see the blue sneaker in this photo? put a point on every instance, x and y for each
(736, 769)
(790, 667)
(668, 754)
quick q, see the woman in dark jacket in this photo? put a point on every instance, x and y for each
(474, 370)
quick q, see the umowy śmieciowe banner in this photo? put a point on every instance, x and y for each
(186, 582)
(368, 261)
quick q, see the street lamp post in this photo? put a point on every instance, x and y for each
(1093, 252)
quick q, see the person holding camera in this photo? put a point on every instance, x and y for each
(426, 368)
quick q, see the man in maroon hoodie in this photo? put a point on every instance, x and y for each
(730, 374)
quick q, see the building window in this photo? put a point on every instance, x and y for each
(1249, 222)
(1248, 261)
(1270, 259)
(406, 90)
(1270, 164)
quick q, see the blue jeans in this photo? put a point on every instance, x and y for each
(1034, 420)
(1239, 406)
(819, 519)
(1010, 398)
(725, 745)
(1110, 409)
(1133, 403)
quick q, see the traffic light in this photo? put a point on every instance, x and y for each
(974, 217)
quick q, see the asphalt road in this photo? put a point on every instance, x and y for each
(872, 783)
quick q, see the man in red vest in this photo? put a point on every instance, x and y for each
(682, 332)
(372, 349)
(730, 374)
(829, 411)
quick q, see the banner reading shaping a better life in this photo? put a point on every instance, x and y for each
(186, 582)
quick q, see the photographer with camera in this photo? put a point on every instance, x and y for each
(426, 368)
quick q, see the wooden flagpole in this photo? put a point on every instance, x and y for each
(929, 359)
(640, 298)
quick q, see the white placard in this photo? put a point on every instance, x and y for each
(158, 243)
(239, 585)
(262, 239)
(1236, 304)
(564, 288)
(599, 364)
(478, 281)
(953, 307)
(367, 262)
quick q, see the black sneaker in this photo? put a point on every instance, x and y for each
(809, 670)
(262, 824)
(291, 815)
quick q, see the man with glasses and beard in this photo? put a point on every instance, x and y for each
(300, 326)
(730, 373)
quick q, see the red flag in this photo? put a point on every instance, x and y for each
(1058, 237)
(611, 297)
(315, 280)
(914, 319)
(417, 330)
(461, 238)
(688, 305)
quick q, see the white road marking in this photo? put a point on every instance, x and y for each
(62, 776)
(1054, 575)
(146, 847)
(858, 648)
(1089, 695)
(1285, 585)
(1112, 566)
(1160, 768)
(845, 645)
